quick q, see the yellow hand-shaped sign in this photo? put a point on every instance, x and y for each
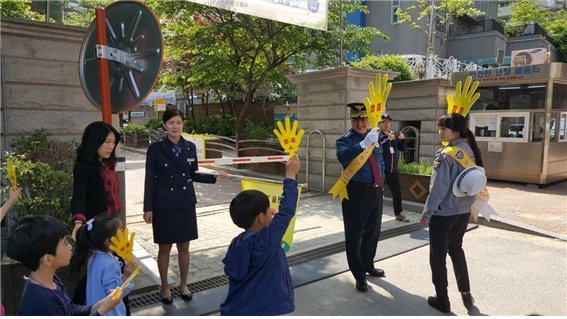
(289, 138)
(11, 173)
(121, 245)
(464, 98)
(376, 103)
(117, 294)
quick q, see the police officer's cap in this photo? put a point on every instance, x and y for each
(385, 116)
(357, 110)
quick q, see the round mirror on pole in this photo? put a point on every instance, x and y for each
(134, 53)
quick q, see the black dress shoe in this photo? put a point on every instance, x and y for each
(361, 285)
(376, 272)
(468, 299)
(167, 300)
(441, 305)
(187, 297)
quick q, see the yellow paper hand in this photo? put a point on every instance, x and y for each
(289, 138)
(117, 294)
(121, 245)
(376, 102)
(11, 173)
(464, 98)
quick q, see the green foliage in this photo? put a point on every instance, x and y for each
(257, 131)
(233, 55)
(388, 62)
(83, 14)
(155, 124)
(422, 168)
(45, 190)
(216, 125)
(554, 22)
(39, 148)
(19, 9)
(135, 129)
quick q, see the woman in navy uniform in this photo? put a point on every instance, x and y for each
(448, 215)
(169, 198)
(362, 212)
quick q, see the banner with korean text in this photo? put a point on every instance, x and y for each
(274, 192)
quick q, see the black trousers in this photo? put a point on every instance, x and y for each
(362, 217)
(446, 236)
(393, 182)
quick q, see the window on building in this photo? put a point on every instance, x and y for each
(395, 6)
(509, 127)
(562, 126)
(512, 97)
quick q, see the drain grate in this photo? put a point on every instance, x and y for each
(151, 298)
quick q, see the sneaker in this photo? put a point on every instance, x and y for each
(402, 217)
(441, 305)
(468, 299)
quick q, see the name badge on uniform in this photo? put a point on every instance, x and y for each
(391, 150)
(190, 160)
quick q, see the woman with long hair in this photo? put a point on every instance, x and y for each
(448, 215)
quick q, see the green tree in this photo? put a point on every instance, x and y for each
(82, 12)
(425, 15)
(553, 21)
(234, 55)
(390, 62)
(19, 9)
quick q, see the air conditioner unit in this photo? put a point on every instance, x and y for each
(528, 57)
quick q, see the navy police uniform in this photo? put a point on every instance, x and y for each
(169, 192)
(362, 212)
(391, 150)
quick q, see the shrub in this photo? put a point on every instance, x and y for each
(423, 168)
(388, 62)
(135, 129)
(257, 131)
(39, 148)
(217, 125)
(154, 124)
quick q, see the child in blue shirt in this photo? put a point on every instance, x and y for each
(40, 243)
(259, 278)
(103, 269)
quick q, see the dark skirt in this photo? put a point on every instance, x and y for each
(174, 225)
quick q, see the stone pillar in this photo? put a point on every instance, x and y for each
(322, 96)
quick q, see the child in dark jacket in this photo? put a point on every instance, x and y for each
(40, 243)
(259, 277)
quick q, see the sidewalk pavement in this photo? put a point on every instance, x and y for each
(319, 221)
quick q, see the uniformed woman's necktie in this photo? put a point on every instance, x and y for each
(176, 149)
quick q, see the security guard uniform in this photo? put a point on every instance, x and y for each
(448, 217)
(362, 212)
(171, 170)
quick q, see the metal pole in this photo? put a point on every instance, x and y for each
(47, 11)
(430, 40)
(103, 68)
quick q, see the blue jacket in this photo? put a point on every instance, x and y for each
(169, 178)
(41, 301)
(348, 148)
(391, 159)
(256, 265)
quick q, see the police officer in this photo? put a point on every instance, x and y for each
(362, 212)
(169, 199)
(392, 144)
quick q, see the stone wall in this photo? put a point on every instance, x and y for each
(40, 81)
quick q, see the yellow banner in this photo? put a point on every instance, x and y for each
(274, 192)
(339, 189)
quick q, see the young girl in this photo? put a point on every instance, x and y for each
(103, 270)
(447, 214)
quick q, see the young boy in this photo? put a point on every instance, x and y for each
(40, 243)
(259, 278)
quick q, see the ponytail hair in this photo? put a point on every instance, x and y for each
(456, 122)
(92, 236)
(474, 146)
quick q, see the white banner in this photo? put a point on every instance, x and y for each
(305, 13)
